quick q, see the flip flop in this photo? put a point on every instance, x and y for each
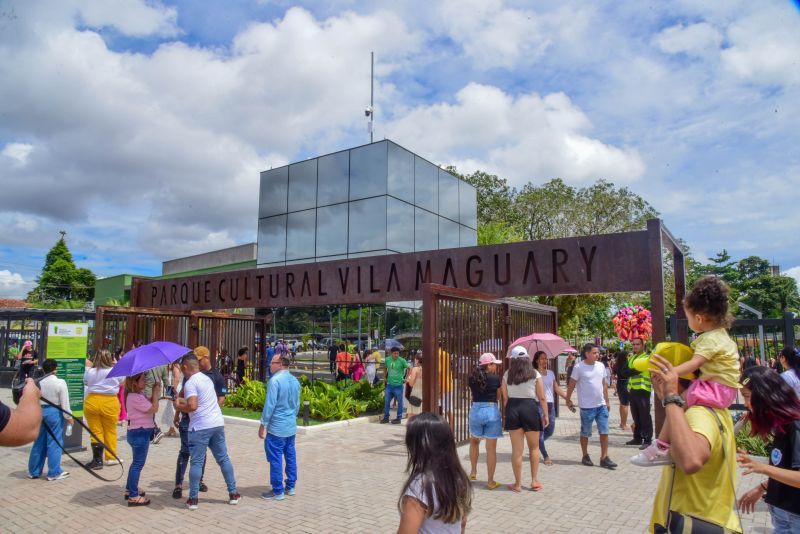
(141, 494)
(548, 461)
(513, 488)
(145, 502)
(473, 477)
(494, 485)
(537, 486)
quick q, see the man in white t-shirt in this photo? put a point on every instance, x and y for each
(589, 376)
(206, 429)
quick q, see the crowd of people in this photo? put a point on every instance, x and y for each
(695, 447)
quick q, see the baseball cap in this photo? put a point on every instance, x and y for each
(519, 352)
(487, 358)
(27, 344)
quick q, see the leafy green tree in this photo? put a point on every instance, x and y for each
(60, 283)
(495, 196)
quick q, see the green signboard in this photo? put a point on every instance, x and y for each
(66, 343)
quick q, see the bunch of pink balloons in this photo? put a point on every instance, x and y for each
(632, 322)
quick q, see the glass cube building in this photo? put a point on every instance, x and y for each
(369, 200)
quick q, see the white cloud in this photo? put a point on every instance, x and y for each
(13, 285)
(131, 17)
(765, 46)
(695, 39)
(18, 152)
(524, 138)
(794, 272)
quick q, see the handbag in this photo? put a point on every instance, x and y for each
(414, 401)
(680, 523)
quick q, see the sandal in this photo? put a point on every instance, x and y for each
(144, 502)
(493, 485)
(513, 488)
(548, 461)
(141, 494)
(537, 486)
(473, 477)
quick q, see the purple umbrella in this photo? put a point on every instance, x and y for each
(147, 357)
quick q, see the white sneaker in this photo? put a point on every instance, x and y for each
(63, 475)
(652, 456)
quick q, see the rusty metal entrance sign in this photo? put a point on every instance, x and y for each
(548, 267)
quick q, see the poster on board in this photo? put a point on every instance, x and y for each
(67, 344)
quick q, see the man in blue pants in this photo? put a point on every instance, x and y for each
(395, 380)
(279, 426)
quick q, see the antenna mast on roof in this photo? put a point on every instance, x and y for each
(369, 112)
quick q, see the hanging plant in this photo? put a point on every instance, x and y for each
(633, 322)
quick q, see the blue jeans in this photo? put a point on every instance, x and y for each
(46, 447)
(278, 448)
(549, 429)
(139, 440)
(589, 415)
(183, 454)
(783, 521)
(199, 441)
(397, 393)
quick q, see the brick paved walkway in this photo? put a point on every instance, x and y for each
(349, 482)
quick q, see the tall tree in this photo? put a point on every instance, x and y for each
(60, 281)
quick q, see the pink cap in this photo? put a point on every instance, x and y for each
(27, 344)
(487, 358)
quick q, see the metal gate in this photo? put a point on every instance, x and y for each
(124, 328)
(459, 325)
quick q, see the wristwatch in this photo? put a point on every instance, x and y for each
(673, 399)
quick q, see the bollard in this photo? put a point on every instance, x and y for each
(305, 413)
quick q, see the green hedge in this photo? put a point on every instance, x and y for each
(343, 400)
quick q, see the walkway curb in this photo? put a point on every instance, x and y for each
(304, 430)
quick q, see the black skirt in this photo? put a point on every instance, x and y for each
(524, 414)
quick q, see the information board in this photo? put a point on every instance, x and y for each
(67, 343)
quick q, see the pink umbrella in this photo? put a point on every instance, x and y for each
(551, 344)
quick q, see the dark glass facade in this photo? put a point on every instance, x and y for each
(374, 199)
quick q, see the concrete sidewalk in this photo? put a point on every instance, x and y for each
(349, 481)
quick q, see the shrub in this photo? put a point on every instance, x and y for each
(754, 445)
(250, 395)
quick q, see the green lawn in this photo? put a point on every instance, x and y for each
(249, 414)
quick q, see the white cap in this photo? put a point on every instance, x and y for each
(518, 352)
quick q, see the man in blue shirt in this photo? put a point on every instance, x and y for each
(279, 426)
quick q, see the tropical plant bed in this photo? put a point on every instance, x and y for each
(753, 445)
(327, 402)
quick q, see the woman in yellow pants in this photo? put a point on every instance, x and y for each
(101, 407)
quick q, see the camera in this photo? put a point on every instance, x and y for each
(368, 111)
(19, 387)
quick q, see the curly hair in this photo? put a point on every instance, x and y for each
(709, 297)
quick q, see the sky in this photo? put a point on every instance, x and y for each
(140, 127)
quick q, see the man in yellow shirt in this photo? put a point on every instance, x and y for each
(700, 486)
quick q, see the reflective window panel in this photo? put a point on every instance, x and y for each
(367, 225)
(468, 208)
(426, 185)
(300, 234)
(448, 196)
(332, 230)
(425, 235)
(469, 237)
(272, 239)
(334, 178)
(401, 173)
(274, 192)
(448, 233)
(399, 225)
(367, 254)
(303, 185)
(368, 171)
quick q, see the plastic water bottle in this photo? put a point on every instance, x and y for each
(68, 431)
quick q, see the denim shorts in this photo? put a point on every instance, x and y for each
(589, 415)
(485, 421)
